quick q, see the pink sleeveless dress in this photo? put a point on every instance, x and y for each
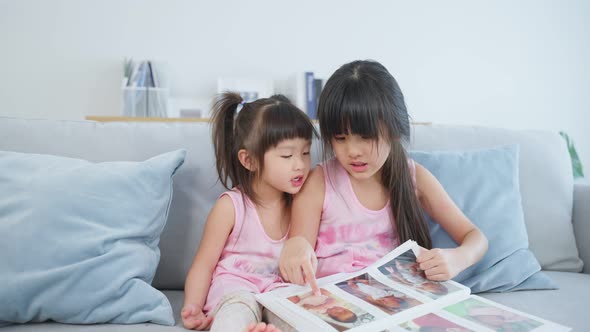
(351, 237)
(249, 260)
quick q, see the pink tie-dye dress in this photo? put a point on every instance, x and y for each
(351, 237)
(249, 260)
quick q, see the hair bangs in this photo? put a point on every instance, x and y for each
(357, 110)
(281, 122)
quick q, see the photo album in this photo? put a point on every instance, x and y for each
(393, 294)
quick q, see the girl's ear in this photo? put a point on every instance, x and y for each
(246, 160)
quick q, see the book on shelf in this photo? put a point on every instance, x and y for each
(393, 295)
(310, 100)
(303, 89)
(318, 85)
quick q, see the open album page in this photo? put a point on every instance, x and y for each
(393, 294)
(391, 290)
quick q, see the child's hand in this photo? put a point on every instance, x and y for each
(440, 264)
(193, 318)
(298, 263)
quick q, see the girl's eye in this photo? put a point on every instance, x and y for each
(305, 153)
(339, 138)
(287, 157)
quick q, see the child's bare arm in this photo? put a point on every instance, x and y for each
(307, 207)
(220, 223)
(298, 262)
(444, 264)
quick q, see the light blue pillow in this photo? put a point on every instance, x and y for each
(80, 239)
(484, 185)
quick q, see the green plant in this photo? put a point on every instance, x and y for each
(576, 163)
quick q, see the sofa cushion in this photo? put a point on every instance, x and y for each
(195, 184)
(567, 306)
(175, 297)
(83, 238)
(484, 185)
(546, 183)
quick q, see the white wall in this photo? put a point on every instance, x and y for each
(515, 64)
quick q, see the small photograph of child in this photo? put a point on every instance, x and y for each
(340, 314)
(492, 317)
(405, 270)
(382, 296)
(433, 323)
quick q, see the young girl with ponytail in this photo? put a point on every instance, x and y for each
(263, 158)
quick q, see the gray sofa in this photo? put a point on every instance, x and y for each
(557, 209)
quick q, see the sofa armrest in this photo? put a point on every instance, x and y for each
(581, 220)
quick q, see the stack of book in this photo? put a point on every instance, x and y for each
(303, 89)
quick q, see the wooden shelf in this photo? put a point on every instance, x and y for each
(102, 118)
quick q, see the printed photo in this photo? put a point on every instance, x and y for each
(433, 323)
(340, 314)
(405, 270)
(491, 316)
(387, 299)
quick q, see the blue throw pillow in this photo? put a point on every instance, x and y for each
(80, 239)
(484, 185)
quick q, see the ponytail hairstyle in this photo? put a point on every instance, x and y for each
(257, 127)
(363, 98)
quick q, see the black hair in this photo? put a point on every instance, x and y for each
(259, 126)
(363, 98)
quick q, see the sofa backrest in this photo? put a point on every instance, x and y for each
(546, 179)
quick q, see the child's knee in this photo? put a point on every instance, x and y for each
(240, 303)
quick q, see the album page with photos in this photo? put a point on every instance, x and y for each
(393, 294)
